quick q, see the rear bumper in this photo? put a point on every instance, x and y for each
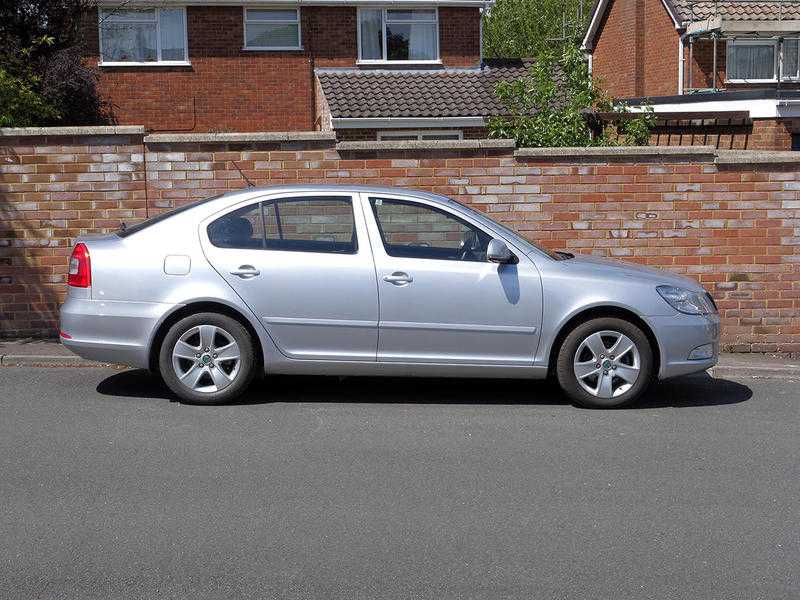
(678, 335)
(117, 332)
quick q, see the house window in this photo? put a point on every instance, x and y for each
(398, 35)
(272, 29)
(143, 36)
(752, 60)
(396, 136)
(791, 59)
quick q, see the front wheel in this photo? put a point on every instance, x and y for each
(605, 363)
(207, 358)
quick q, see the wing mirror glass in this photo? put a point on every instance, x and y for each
(499, 252)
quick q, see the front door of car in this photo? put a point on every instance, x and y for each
(440, 299)
(302, 263)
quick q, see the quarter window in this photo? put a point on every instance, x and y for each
(414, 230)
(399, 35)
(271, 29)
(143, 35)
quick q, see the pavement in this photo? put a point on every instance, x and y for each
(363, 488)
(51, 353)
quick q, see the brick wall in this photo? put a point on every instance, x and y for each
(229, 89)
(736, 228)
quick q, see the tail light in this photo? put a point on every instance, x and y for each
(80, 267)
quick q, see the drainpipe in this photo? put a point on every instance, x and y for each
(681, 63)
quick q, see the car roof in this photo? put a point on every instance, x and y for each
(327, 187)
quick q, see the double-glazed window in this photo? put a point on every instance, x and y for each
(760, 59)
(420, 136)
(304, 224)
(413, 230)
(272, 29)
(401, 35)
(143, 35)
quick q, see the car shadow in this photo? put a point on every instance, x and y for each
(690, 391)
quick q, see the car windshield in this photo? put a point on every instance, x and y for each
(510, 233)
(126, 231)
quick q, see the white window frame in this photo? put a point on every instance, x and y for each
(385, 60)
(388, 135)
(245, 20)
(101, 18)
(754, 42)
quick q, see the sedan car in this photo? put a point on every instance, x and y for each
(342, 280)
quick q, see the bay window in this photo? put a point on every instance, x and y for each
(398, 35)
(143, 36)
(272, 29)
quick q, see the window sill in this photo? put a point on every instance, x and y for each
(396, 63)
(274, 49)
(163, 63)
(755, 80)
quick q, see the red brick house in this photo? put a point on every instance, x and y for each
(205, 65)
(724, 73)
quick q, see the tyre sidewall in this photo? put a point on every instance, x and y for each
(565, 368)
(246, 364)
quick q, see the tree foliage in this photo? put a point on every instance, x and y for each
(43, 80)
(531, 28)
(556, 103)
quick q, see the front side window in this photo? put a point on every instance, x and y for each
(143, 35)
(399, 35)
(413, 230)
(271, 29)
(751, 60)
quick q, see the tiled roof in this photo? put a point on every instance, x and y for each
(735, 10)
(445, 93)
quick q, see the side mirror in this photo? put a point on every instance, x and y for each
(498, 252)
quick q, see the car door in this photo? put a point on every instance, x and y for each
(440, 300)
(302, 263)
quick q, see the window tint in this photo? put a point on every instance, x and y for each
(309, 224)
(414, 230)
(318, 224)
(242, 228)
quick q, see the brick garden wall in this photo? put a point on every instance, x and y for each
(734, 227)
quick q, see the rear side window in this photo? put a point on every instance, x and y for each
(305, 224)
(126, 231)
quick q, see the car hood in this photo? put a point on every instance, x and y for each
(617, 269)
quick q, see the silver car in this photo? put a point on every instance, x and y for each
(347, 280)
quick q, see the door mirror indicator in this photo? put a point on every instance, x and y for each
(499, 252)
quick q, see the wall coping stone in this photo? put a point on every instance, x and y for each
(426, 145)
(616, 151)
(88, 130)
(733, 157)
(259, 136)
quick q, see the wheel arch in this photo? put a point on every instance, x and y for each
(603, 311)
(203, 306)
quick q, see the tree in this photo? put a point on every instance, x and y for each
(43, 80)
(556, 104)
(530, 28)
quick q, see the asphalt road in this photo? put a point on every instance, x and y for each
(386, 488)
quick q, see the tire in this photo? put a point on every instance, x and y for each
(212, 377)
(617, 381)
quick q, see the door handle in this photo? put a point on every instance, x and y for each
(246, 272)
(398, 278)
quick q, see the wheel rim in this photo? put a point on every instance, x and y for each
(206, 359)
(607, 364)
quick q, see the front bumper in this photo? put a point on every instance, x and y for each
(116, 332)
(678, 335)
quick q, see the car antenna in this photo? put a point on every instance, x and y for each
(245, 177)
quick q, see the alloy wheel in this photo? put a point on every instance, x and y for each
(206, 359)
(607, 364)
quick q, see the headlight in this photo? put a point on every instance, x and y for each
(687, 301)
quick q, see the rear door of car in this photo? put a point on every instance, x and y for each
(302, 263)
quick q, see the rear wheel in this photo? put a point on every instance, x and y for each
(605, 363)
(207, 358)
